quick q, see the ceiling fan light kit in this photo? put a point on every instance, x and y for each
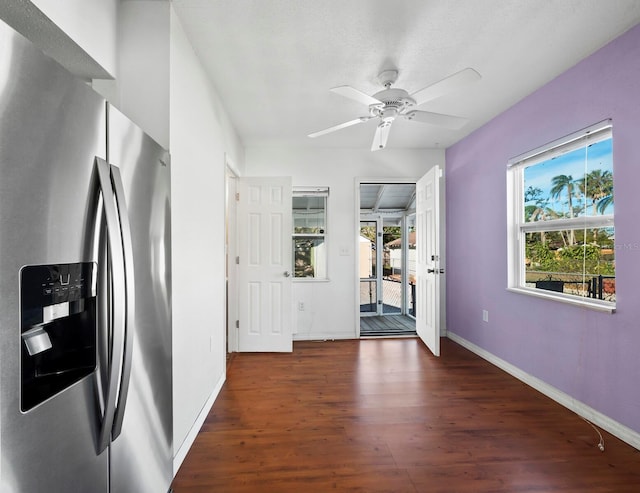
(391, 103)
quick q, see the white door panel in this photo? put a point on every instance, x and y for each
(427, 260)
(264, 246)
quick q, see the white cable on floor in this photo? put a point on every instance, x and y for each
(601, 442)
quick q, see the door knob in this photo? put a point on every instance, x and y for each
(287, 273)
(431, 271)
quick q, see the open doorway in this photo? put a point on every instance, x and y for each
(386, 248)
(231, 275)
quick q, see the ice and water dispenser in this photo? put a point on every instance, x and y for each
(58, 328)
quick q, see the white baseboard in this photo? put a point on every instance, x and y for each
(618, 430)
(180, 455)
(322, 337)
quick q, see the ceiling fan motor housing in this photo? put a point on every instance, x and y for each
(396, 101)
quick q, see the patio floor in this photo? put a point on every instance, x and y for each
(390, 325)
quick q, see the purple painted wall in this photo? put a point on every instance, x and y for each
(592, 356)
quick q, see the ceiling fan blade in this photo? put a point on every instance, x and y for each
(352, 93)
(447, 121)
(381, 136)
(446, 85)
(339, 126)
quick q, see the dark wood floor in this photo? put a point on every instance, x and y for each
(383, 415)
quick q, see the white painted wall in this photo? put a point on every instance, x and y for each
(201, 135)
(141, 89)
(89, 23)
(330, 310)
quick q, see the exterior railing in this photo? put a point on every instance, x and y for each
(391, 295)
(596, 286)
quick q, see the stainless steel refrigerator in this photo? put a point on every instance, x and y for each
(85, 291)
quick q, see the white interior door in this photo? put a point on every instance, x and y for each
(264, 251)
(427, 259)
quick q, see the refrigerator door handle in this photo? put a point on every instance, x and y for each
(127, 246)
(117, 309)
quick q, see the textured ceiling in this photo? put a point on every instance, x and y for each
(273, 61)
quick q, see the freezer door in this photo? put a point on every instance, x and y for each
(141, 455)
(51, 128)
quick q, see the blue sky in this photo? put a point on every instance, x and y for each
(573, 163)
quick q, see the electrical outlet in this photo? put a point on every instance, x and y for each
(301, 306)
(485, 315)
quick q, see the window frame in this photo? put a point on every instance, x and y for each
(517, 228)
(311, 192)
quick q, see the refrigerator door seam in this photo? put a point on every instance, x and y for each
(127, 247)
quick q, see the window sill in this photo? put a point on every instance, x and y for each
(601, 306)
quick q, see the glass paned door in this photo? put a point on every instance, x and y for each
(367, 267)
(410, 285)
(392, 262)
(387, 267)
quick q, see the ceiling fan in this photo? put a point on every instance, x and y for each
(392, 103)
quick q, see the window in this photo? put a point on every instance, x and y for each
(561, 229)
(309, 233)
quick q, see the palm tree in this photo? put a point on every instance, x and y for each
(605, 202)
(537, 212)
(559, 184)
(598, 185)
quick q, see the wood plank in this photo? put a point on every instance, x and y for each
(384, 415)
(387, 325)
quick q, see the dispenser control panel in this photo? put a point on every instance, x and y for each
(57, 328)
(54, 291)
